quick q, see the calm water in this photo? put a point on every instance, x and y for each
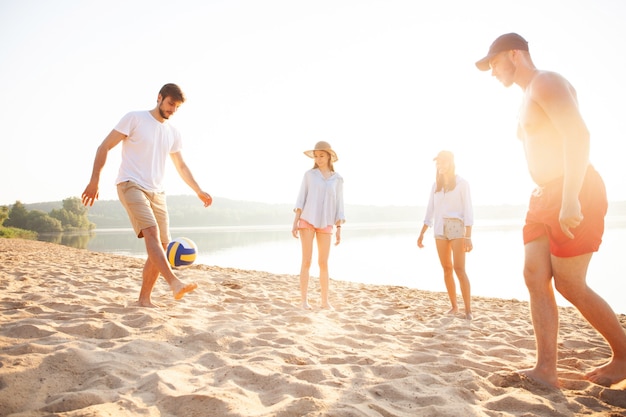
(387, 254)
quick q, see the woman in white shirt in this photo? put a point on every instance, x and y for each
(451, 215)
(319, 209)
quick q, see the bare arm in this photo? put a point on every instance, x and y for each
(430, 212)
(185, 174)
(294, 228)
(420, 239)
(90, 195)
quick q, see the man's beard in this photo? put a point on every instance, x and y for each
(163, 114)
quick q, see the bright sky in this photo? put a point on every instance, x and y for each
(388, 83)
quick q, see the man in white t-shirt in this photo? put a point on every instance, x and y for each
(147, 139)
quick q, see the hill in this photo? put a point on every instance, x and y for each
(187, 211)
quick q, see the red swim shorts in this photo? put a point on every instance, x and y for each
(542, 218)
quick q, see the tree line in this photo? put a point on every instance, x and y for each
(18, 221)
(27, 221)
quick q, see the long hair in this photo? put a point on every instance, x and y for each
(440, 179)
(330, 162)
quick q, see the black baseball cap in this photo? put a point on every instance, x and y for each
(506, 42)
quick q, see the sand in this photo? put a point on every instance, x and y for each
(72, 344)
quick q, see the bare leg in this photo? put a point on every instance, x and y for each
(445, 258)
(306, 238)
(570, 281)
(150, 276)
(323, 252)
(458, 254)
(543, 310)
(157, 264)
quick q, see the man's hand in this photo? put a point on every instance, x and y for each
(206, 198)
(570, 217)
(90, 195)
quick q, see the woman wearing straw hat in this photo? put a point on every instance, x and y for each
(451, 214)
(319, 209)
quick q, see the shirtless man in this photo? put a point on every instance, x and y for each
(565, 219)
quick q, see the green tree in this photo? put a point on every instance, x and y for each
(73, 215)
(4, 214)
(41, 222)
(17, 216)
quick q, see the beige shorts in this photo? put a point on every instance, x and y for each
(145, 209)
(452, 229)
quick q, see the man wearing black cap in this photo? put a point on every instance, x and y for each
(565, 219)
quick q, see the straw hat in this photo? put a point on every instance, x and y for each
(322, 146)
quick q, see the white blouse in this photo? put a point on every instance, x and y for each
(321, 199)
(455, 204)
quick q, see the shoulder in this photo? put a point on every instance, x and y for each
(136, 115)
(462, 181)
(139, 113)
(549, 84)
(309, 173)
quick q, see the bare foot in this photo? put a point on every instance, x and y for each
(328, 306)
(608, 374)
(144, 303)
(453, 310)
(305, 306)
(538, 376)
(469, 316)
(181, 291)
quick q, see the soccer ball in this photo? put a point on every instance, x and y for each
(181, 252)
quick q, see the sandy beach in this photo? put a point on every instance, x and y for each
(72, 344)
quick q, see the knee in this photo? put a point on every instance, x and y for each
(460, 272)
(569, 290)
(447, 270)
(306, 263)
(536, 281)
(151, 232)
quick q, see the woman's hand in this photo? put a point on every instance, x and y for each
(468, 244)
(419, 241)
(338, 235)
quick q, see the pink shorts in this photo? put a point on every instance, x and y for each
(542, 218)
(303, 224)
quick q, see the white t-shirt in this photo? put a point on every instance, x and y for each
(145, 149)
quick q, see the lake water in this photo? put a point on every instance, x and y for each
(387, 254)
